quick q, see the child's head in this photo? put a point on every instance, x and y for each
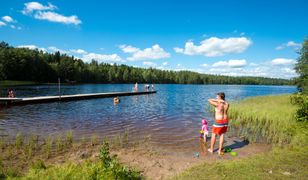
(204, 122)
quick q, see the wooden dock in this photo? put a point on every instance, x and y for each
(46, 99)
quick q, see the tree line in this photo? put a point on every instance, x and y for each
(24, 64)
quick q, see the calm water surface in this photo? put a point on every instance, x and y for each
(171, 117)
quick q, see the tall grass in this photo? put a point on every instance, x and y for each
(266, 118)
(107, 168)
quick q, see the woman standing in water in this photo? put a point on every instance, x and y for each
(221, 121)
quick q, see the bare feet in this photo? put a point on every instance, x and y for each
(211, 151)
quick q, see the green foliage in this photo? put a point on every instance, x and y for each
(301, 68)
(23, 64)
(301, 101)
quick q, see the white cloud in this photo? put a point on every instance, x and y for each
(231, 63)
(148, 63)
(102, 57)
(288, 44)
(204, 65)
(7, 19)
(35, 6)
(78, 51)
(214, 46)
(282, 61)
(128, 49)
(154, 52)
(55, 17)
(253, 64)
(2, 24)
(32, 47)
(55, 49)
(165, 63)
(42, 12)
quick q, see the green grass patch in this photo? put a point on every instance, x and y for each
(278, 164)
(265, 118)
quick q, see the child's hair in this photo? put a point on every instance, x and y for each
(204, 121)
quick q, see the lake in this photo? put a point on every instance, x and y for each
(171, 117)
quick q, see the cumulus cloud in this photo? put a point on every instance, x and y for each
(55, 49)
(7, 19)
(148, 63)
(204, 65)
(32, 47)
(282, 61)
(165, 63)
(35, 6)
(214, 46)
(78, 51)
(46, 12)
(154, 52)
(231, 63)
(55, 17)
(101, 57)
(2, 24)
(288, 44)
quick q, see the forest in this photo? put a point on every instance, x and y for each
(23, 64)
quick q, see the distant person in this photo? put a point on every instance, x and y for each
(116, 100)
(147, 87)
(10, 94)
(221, 121)
(152, 87)
(136, 87)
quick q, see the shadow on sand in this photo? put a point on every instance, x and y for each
(237, 144)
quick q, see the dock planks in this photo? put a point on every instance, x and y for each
(46, 99)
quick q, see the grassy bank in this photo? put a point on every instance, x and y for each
(266, 118)
(61, 157)
(270, 119)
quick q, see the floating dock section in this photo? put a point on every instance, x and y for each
(46, 99)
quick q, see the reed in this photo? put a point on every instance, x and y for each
(69, 138)
(48, 146)
(19, 140)
(94, 140)
(59, 144)
(268, 118)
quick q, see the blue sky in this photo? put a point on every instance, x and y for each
(258, 38)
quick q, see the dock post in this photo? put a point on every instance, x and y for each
(59, 86)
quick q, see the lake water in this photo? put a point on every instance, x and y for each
(171, 117)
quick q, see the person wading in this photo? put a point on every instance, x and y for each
(221, 121)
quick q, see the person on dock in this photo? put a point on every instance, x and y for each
(136, 87)
(152, 87)
(11, 94)
(221, 121)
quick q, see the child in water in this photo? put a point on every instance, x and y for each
(204, 130)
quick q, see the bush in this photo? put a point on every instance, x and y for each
(302, 101)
